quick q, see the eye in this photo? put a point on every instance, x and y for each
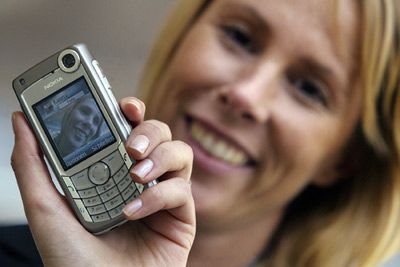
(85, 110)
(310, 90)
(240, 37)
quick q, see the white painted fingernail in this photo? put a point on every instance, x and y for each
(140, 143)
(142, 168)
(133, 207)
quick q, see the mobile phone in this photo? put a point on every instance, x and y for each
(70, 106)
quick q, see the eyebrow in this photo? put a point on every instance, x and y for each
(311, 63)
(250, 12)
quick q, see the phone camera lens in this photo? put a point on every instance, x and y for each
(68, 60)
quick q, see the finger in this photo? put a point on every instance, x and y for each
(174, 157)
(133, 109)
(145, 137)
(37, 190)
(173, 195)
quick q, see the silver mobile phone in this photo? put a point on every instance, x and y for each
(74, 115)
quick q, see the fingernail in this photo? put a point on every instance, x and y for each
(140, 143)
(132, 207)
(135, 103)
(142, 168)
(13, 118)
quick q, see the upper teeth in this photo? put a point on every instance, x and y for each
(217, 147)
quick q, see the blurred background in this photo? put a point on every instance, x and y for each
(118, 33)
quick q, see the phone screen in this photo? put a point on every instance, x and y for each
(73, 123)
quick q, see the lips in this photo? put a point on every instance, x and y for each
(81, 133)
(218, 146)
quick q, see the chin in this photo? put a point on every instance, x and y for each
(210, 205)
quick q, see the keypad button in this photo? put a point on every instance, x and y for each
(113, 192)
(128, 192)
(99, 173)
(117, 211)
(92, 201)
(113, 203)
(114, 162)
(96, 209)
(124, 183)
(120, 174)
(83, 210)
(71, 187)
(107, 186)
(101, 217)
(132, 197)
(91, 192)
(81, 180)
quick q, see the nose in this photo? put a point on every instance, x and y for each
(251, 96)
(90, 123)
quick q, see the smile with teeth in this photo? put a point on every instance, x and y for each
(82, 134)
(217, 147)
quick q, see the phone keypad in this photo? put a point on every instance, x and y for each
(99, 198)
(81, 180)
(101, 217)
(107, 186)
(91, 192)
(117, 211)
(114, 162)
(99, 173)
(92, 201)
(96, 209)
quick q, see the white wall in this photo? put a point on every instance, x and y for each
(118, 33)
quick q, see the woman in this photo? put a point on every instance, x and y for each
(290, 108)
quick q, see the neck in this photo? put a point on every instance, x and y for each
(233, 247)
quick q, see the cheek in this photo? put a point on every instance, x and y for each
(76, 116)
(303, 144)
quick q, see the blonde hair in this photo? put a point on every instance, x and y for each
(357, 226)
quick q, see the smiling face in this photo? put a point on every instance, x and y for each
(262, 86)
(81, 126)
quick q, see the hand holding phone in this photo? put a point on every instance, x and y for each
(62, 240)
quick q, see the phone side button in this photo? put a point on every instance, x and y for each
(83, 210)
(71, 187)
